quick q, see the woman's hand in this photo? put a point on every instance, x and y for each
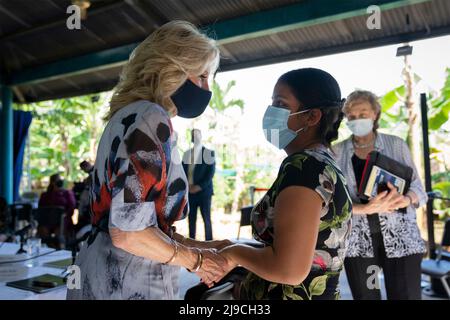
(213, 267)
(395, 199)
(387, 201)
(193, 188)
(376, 204)
(211, 244)
(401, 202)
(218, 244)
(226, 265)
(228, 253)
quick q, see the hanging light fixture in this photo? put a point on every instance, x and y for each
(83, 5)
(405, 50)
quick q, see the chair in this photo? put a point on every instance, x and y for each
(246, 212)
(20, 213)
(439, 268)
(223, 290)
(31, 198)
(245, 218)
(51, 227)
(220, 292)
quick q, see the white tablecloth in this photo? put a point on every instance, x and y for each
(34, 268)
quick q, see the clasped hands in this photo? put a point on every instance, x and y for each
(388, 201)
(216, 262)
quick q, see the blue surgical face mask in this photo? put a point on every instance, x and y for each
(191, 100)
(275, 126)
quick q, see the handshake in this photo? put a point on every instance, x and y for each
(214, 261)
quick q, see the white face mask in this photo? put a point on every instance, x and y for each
(360, 127)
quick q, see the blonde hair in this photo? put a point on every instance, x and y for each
(162, 63)
(359, 96)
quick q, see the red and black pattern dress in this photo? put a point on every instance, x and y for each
(138, 182)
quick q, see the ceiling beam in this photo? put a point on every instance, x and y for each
(57, 23)
(305, 13)
(299, 15)
(109, 84)
(87, 63)
(335, 49)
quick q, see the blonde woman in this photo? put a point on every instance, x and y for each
(385, 231)
(139, 188)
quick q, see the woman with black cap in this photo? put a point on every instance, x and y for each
(305, 218)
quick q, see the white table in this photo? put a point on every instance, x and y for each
(34, 268)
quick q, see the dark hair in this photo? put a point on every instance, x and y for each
(315, 88)
(84, 163)
(53, 179)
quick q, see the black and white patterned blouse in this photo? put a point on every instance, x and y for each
(137, 182)
(401, 234)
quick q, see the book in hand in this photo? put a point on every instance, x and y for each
(381, 169)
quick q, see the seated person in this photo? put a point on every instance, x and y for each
(56, 195)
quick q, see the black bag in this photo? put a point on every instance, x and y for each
(378, 171)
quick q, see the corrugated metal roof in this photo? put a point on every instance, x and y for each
(423, 18)
(33, 33)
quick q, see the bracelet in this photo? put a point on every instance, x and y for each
(175, 253)
(199, 263)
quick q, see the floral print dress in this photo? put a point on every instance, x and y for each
(317, 170)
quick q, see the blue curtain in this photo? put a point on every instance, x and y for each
(22, 121)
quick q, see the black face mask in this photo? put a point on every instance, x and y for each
(191, 100)
(59, 183)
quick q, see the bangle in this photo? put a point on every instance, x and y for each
(175, 253)
(199, 263)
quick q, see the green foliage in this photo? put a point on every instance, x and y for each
(440, 106)
(442, 207)
(391, 98)
(218, 101)
(238, 168)
(62, 134)
(438, 118)
(225, 183)
(394, 113)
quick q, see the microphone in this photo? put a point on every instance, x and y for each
(33, 225)
(23, 231)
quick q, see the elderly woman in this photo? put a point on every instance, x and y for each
(139, 188)
(383, 235)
